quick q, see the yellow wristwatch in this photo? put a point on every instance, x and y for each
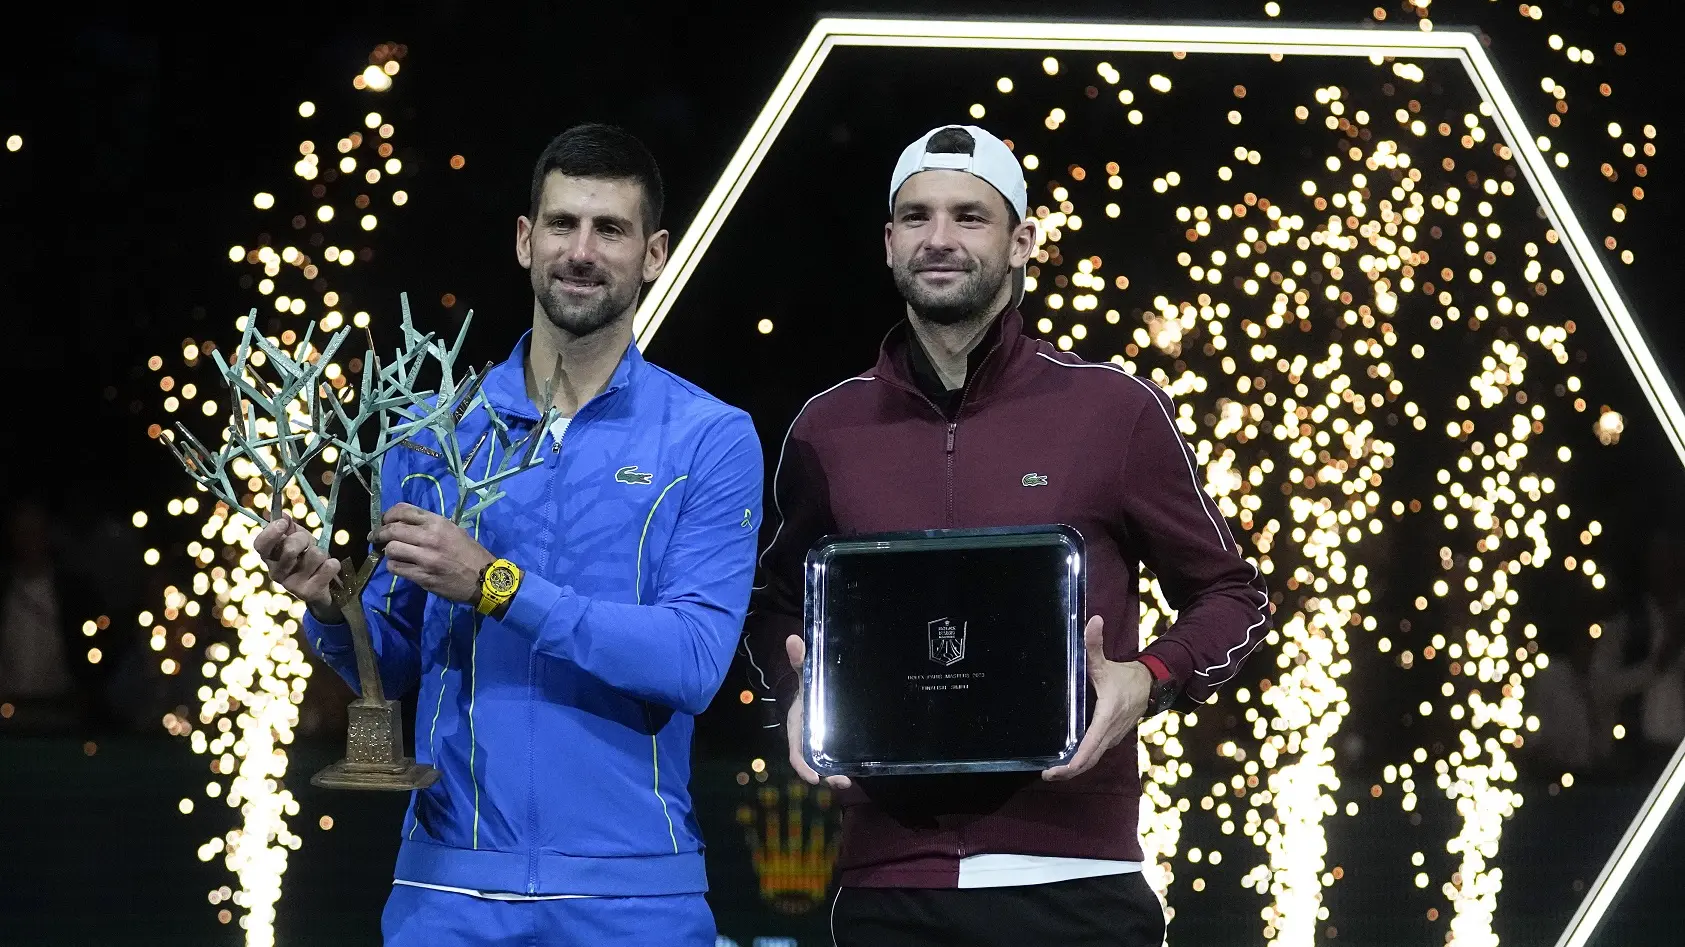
(498, 585)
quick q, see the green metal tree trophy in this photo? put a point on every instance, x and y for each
(280, 427)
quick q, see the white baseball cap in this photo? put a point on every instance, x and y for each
(990, 160)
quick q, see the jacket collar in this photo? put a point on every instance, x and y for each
(992, 369)
(506, 384)
(922, 371)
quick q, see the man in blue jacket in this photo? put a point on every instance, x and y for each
(561, 717)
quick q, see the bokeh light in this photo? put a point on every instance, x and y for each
(1298, 355)
(254, 670)
(1365, 356)
(1298, 441)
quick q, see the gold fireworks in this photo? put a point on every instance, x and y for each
(256, 676)
(1287, 353)
(1311, 407)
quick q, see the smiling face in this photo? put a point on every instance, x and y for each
(586, 251)
(952, 246)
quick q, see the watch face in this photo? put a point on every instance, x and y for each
(501, 579)
(1162, 696)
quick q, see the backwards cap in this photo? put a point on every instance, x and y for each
(990, 160)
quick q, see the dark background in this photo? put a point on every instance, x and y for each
(145, 136)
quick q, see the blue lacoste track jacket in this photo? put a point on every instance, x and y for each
(563, 731)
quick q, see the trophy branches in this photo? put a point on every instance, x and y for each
(277, 427)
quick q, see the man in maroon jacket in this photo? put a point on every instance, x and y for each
(968, 422)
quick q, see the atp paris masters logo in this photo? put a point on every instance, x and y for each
(947, 641)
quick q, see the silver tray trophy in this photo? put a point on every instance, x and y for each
(945, 651)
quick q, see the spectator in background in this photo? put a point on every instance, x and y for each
(1574, 724)
(1637, 662)
(98, 558)
(1578, 694)
(322, 713)
(37, 682)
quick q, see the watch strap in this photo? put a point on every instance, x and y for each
(492, 600)
(1165, 688)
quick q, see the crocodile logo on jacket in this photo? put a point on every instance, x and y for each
(1034, 480)
(632, 475)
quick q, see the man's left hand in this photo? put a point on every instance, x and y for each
(432, 552)
(1121, 691)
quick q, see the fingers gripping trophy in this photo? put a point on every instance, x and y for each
(282, 423)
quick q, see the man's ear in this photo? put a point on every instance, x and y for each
(523, 242)
(1023, 242)
(655, 255)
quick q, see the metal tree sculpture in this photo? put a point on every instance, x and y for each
(399, 410)
(279, 428)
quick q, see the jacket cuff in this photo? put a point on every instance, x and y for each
(324, 637)
(1153, 664)
(1177, 661)
(543, 610)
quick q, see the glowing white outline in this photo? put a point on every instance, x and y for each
(1316, 41)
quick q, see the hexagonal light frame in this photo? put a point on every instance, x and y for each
(1461, 45)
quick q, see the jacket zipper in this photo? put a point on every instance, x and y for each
(532, 696)
(532, 658)
(948, 446)
(953, 428)
(954, 424)
(948, 451)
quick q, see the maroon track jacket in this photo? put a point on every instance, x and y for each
(1039, 437)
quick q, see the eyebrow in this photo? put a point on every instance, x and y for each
(598, 219)
(965, 207)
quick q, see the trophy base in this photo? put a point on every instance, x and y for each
(374, 754)
(400, 776)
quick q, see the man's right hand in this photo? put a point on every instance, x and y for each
(797, 650)
(289, 553)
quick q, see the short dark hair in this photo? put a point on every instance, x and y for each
(951, 141)
(602, 151)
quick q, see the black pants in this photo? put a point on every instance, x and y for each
(1108, 911)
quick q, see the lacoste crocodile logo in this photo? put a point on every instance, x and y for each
(1034, 480)
(632, 475)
